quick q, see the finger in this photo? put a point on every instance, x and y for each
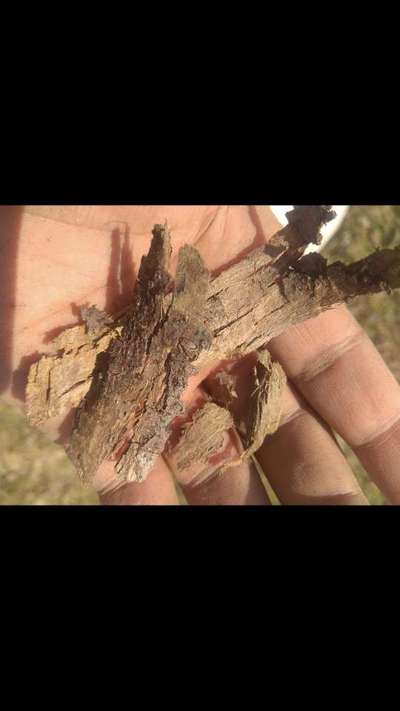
(202, 482)
(158, 488)
(340, 373)
(238, 485)
(303, 461)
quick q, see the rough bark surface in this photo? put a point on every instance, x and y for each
(203, 436)
(260, 417)
(61, 381)
(127, 377)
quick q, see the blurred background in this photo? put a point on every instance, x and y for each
(33, 470)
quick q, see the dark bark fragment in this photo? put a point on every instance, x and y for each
(136, 388)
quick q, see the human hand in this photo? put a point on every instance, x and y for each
(68, 257)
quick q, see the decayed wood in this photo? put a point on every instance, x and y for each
(263, 413)
(266, 295)
(128, 387)
(202, 436)
(137, 383)
(58, 382)
(258, 419)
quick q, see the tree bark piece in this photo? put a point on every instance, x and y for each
(58, 382)
(128, 387)
(136, 386)
(264, 410)
(203, 436)
(269, 296)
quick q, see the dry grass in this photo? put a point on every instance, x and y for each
(33, 470)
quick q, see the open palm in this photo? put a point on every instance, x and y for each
(56, 259)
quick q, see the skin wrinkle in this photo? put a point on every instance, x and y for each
(298, 481)
(351, 498)
(298, 411)
(329, 358)
(221, 212)
(236, 485)
(201, 480)
(381, 436)
(209, 223)
(232, 222)
(300, 476)
(306, 410)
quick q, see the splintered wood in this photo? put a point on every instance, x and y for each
(126, 377)
(61, 381)
(203, 435)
